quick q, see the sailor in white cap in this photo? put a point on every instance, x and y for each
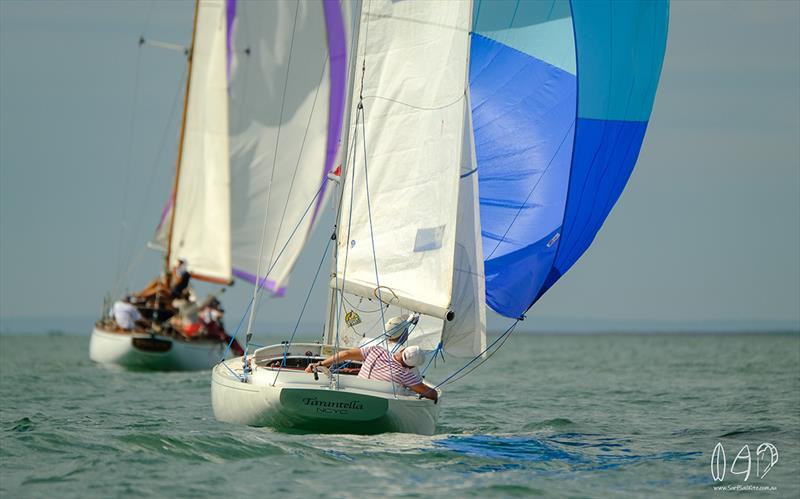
(378, 363)
(398, 328)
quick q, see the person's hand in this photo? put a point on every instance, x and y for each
(310, 367)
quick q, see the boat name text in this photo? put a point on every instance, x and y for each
(313, 401)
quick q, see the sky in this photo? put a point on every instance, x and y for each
(706, 234)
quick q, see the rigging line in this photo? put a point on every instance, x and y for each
(516, 8)
(300, 154)
(372, 241)
(438, 349)
(383, 337)
(164, 136)
(420, 108)
(504, 335)
(257, 286)
(359, 113)
(302, 310)
(134, 263)
(126, 183)
(359, 309)
(230, 343)
(364, 58)
(484, 360)
(522, 205)
(259, 279)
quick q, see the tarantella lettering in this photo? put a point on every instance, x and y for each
(315, 402)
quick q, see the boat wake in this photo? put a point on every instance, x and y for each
(575, 451)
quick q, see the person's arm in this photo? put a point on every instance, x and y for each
(426, 391)
(350, 354)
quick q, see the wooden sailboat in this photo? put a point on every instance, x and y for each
(196, 228)
(252, 170)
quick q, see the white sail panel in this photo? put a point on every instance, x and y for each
(201, 226)
(415, 59)
(279, 109)
(369, 327)
(465, 335)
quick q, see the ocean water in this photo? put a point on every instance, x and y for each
(549, 415)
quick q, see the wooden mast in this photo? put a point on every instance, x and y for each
(180, 147)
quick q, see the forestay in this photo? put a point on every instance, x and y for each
(287, 89)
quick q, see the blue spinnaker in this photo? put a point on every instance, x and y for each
(561, 95)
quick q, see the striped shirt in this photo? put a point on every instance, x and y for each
(380, 364)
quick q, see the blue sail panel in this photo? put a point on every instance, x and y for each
(523, 112)
(603, 161)
(556, 142)
(620, 51)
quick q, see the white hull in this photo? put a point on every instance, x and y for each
(125, 349)
(291, 399)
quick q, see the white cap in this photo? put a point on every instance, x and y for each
(413, 356)
(394, 328)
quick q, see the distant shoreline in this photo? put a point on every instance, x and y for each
(82, 326)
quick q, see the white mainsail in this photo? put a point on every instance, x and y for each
(465, 335)
(201, 222)
(414, 93)
(279, 114)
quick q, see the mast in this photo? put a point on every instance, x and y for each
(180, 146)
(332, 301)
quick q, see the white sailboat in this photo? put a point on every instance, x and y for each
(562, 93)
(196, 228)
(406, 238)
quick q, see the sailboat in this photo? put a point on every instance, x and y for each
(486, 144)
(235, 163)
(195, 227)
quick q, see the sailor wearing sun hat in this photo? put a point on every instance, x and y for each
(378, 363)
(397, 328)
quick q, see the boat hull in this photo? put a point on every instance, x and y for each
(298, 402)
(142, 351)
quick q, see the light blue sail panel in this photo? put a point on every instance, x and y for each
(559, 116)
(620, 51)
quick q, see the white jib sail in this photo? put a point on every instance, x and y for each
(414, 91)
(201, 227)
(279, 104)
(465, 335)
